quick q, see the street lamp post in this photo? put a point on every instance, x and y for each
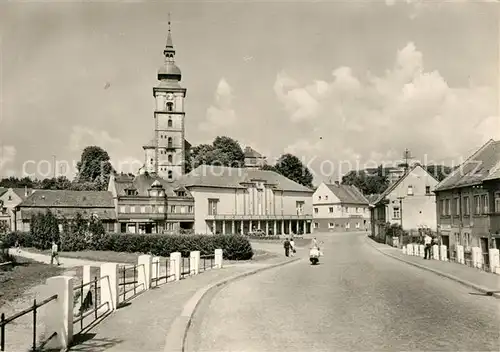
(401, 220)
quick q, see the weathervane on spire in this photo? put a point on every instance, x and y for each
(169, 21)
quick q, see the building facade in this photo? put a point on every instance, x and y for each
(339, 207)
(468, 202)
(9, 199)
(66, 204)
(165, 154)
(240, 200)
(409, 202)
(253, 158)
(149, 204)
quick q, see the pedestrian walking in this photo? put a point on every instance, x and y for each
(292, 247)
(286, 245)
(54, 253)
(428, 246)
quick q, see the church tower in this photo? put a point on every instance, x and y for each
(165, 154)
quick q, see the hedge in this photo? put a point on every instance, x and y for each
(235, 247)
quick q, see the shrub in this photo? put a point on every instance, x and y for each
(235, 247)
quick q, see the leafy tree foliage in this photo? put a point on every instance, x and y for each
(95, 166)
(291, 167)
(44, 228)
(223, 151)
(367, 183)
(439, 171)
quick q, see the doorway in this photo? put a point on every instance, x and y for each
(484, 250)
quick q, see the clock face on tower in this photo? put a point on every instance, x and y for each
(170, 96)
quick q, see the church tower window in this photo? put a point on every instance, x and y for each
(169, 122)
(169, 142)
(170, 159)
(169, 174)
(170, 106)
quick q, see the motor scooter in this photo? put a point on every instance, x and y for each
(314, 255)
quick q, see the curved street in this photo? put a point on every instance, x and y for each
(357, 299)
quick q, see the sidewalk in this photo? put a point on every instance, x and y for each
(145, 323)
(466, 275)
(65, 262)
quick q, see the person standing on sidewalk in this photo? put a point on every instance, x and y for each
(428, 246)
(292, 247)
(54, 253)
(286, 245)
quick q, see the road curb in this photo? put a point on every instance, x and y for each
(176, 337)
(440, 273)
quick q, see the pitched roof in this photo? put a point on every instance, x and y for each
(251, 153)
(347, 194)
(67, 212)
(480, 166)
(395, 184)
(20, 192)
(142, 183)
(65, 198)
(231, 177)
(372, 198)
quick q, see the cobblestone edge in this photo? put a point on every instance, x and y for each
(440, 273)
(176, 337)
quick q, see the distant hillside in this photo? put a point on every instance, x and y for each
(374, 180)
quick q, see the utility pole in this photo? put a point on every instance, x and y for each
(406, 156)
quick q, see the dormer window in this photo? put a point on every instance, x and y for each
(181, 194)
(131, 192)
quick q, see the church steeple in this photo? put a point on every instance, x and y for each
(169, 51)
(169, 71)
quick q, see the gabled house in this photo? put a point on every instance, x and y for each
(468, 201)
(240, 200)
(339, 207)
(66, 204)
(9, 199)
(149, 204)
(409, 202)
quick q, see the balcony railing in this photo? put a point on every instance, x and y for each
(259, 217)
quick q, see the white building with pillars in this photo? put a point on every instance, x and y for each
(239, 200)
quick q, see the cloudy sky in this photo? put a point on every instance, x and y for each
(349, 82)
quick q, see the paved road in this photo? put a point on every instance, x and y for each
(356, 300)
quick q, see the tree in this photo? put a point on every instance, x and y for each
(439, 171)
(14, 182)
(223, 151)
(94, 166)
(44, 228)
(291, 167)
(60, 182)
(367, 183)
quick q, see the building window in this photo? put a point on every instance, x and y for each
(348, 225)
(160, 209)
(346, 209)
(132, 209)
(326, 197)
(170, 158)
(319, 197)
(190, 209)
(427, 189)
(456, 207)
(357, 210)
(183, 209)
(331, 225)
(316, 210)
(466, 206)
(484, 204)
(169, 142)
(169, 174)
(396, 214)
(10, 197)
(357, 225)
(123, 209)
(172, 208)
(448, 207)
(170, 106)
(181, 194)
(497, 202)
(477, 205)
(410, 190)
(151, 160)
(212, 206)
(169, 122)
(330, 209)
(143, 209)
(316, 225)
(299, 205)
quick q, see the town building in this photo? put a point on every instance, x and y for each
(254, 158)
(66, 204)
(9, 199)
(468, 202)
(165, 154)
(149, 204)
(339, 207)
(239, 200)
(409, 202)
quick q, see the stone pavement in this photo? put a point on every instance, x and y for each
(144, 324)
(490, 282)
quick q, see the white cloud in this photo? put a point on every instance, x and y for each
(378, 117)
(7, 156)
(221, 114)
(82, 137)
